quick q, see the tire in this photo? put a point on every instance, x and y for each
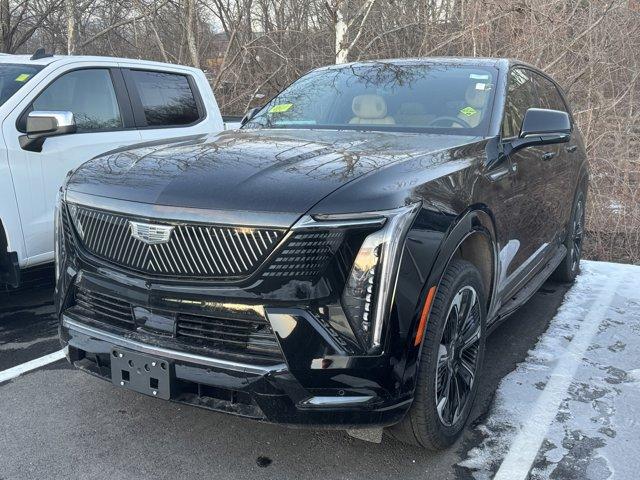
(568, 270)
(425, 424)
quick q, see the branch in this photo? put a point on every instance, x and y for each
(118, 25)
(585, 32)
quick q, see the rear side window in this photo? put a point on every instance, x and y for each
(520, 97)
(549, 95)
(88, 94)
(167, 98)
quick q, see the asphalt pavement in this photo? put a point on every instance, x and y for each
(56, 422)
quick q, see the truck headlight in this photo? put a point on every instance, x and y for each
(368, 292)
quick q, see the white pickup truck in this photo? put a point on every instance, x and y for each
(59, 111)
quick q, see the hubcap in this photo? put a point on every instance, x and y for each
(578, 233)
(458, 356)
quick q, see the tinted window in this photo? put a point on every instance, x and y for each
(13, 77)
(89, 94)
(166, 98)
(431, 97)
(548, 94)
(520, 97)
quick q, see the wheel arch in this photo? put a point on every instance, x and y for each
(9, 267)
(473, 238)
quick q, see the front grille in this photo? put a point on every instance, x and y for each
(105, 309)
(66, 229)
(306, 254)
(200, 251)
(250, 335)
(231, 334)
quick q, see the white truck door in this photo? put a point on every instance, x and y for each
(171, 103)
(96, 97)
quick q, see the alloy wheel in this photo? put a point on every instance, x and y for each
(458, 356)
(578, 234)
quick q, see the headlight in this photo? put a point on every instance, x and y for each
(368, 291)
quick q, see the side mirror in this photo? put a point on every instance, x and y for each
(541, 126)
(249, 115)
(41, 125)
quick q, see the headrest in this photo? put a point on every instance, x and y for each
(369, 107)
(477, 96)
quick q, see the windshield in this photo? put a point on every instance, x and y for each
(435, 98)
(13, 77)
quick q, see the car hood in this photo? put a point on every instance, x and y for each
(275, 171)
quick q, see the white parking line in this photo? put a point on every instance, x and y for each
(18, 370)
(524, 449)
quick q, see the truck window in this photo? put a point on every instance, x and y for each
(13, 77)
(549, 95)
(520, 97)
(167, 98)
(89, 94)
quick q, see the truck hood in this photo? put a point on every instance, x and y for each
(274, 171)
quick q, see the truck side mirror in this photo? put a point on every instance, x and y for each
(41, 125)
(541, 126)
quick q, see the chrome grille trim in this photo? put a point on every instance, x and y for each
(192, 250)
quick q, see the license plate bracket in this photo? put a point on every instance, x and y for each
(141, 373)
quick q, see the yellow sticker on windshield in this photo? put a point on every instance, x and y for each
(283, 107)
(23, 77)
(468, 111)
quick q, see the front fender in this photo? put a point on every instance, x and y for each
(431, 243)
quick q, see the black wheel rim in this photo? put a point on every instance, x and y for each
(578, 234)
(458, 356)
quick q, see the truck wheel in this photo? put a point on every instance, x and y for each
(570, 266)
(450, 362)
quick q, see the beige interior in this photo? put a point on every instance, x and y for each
(413, 114)
(370, 110)
(476, 99)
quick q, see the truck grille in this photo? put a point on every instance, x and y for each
(250, 335)
(306, 254)
(178, 250)
(105, 309)
(229, 333)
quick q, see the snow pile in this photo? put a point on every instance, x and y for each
(593, 432)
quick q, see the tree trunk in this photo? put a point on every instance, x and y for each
(342, 32)
(191, 33)
(71, 11)
(5, 26)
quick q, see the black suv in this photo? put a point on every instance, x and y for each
(338, 261)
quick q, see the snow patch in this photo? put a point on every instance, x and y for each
(594, 430)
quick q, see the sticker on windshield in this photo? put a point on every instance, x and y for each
(481, 86)
(477, 76)
(283, 107)
(23, 77)
(468, 111)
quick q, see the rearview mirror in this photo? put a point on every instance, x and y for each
(541, 126)
(41, 125)
(249, 115)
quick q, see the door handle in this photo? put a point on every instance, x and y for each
(548, 156)
(500, 173)
(572, 148)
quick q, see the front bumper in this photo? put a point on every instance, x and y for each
(270, 393)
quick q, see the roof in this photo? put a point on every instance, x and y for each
(65, 59)
(500, 63)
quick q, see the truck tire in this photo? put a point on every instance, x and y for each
(568, 270)
(450, 361)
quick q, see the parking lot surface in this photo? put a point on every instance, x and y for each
(57, 422)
